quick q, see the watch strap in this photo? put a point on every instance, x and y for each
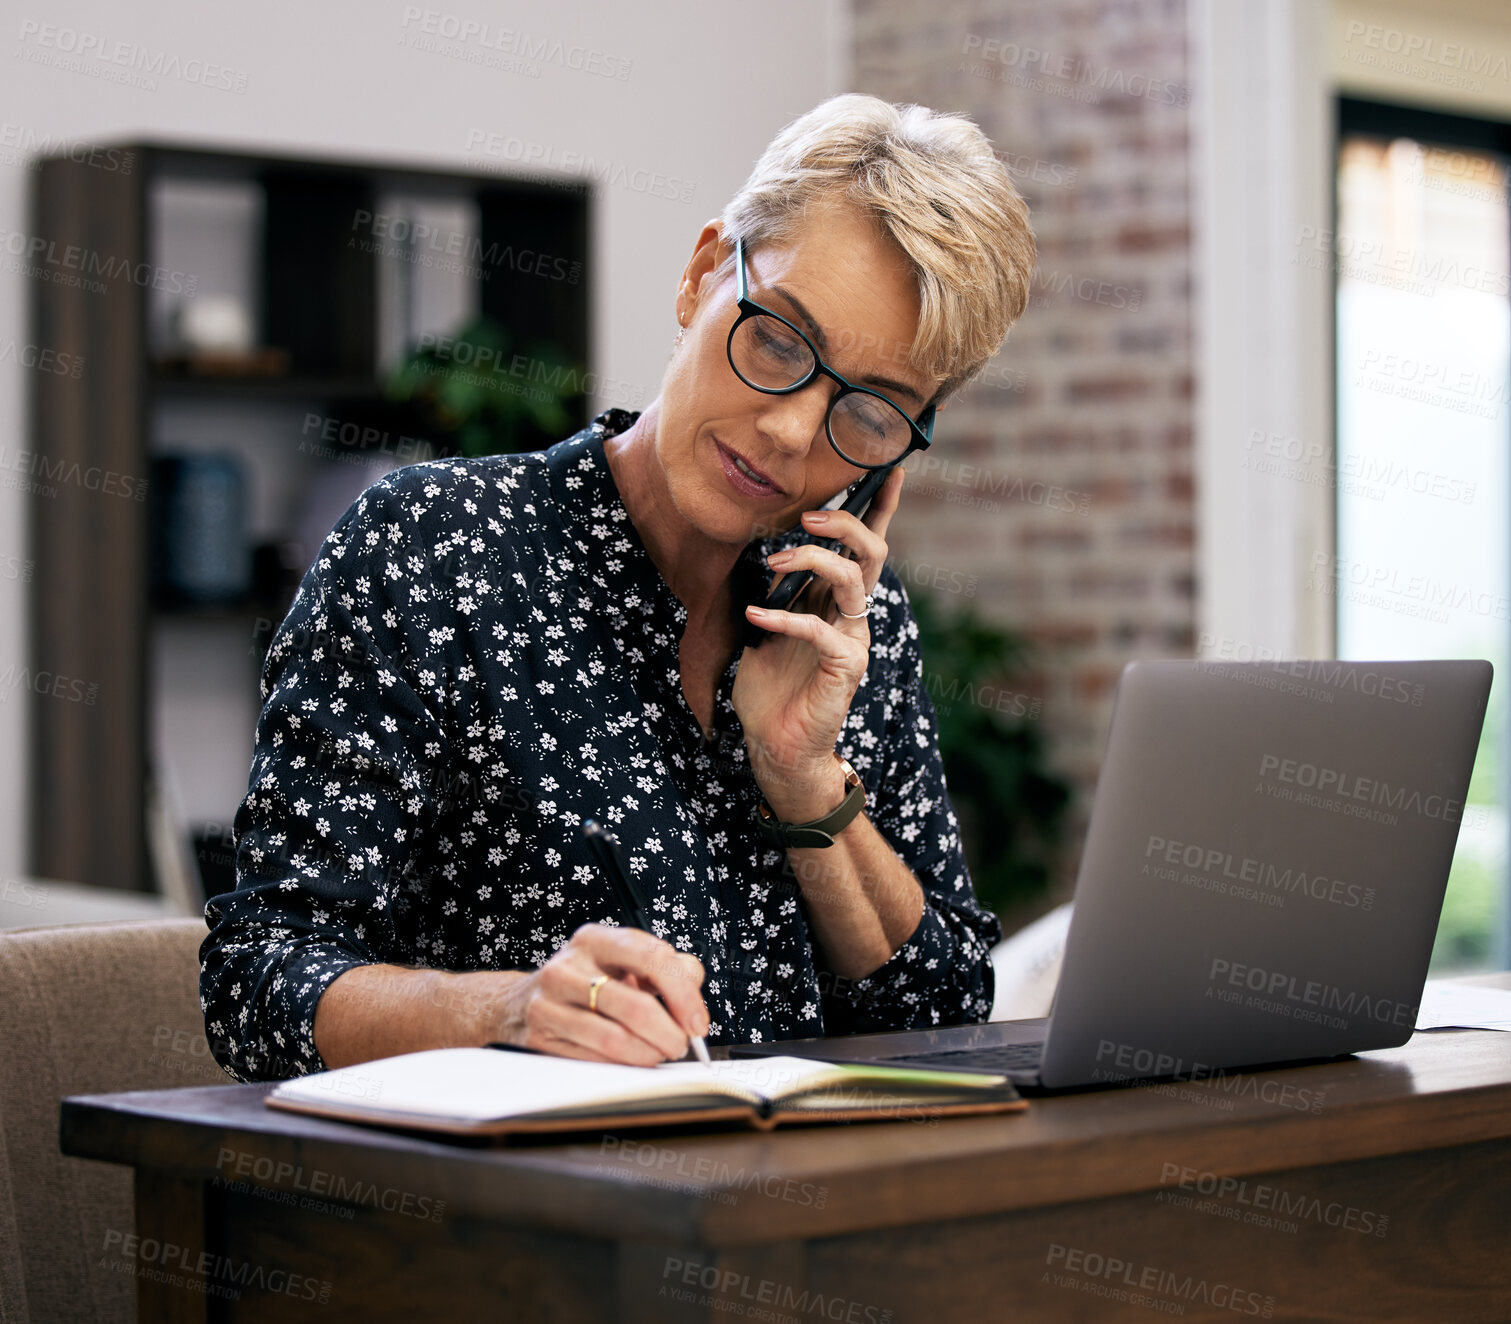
(821, 831)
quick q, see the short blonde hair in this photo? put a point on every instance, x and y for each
(933, 183)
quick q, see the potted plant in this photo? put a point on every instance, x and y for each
(487, 396)
(1011, 805)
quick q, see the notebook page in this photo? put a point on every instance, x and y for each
(781, 1078)
(764, 1077)
(484, 1084)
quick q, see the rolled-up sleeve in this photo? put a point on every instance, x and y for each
(342, 790)
(942, 975)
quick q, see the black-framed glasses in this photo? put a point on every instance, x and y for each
(771, 355)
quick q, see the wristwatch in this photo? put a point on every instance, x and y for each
(821, 831)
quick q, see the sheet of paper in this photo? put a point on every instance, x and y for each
(1446, 1004)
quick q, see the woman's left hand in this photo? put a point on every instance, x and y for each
(792, 694)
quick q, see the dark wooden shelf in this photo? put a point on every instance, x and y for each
(364, 389)
(208, 613)
(90, 609)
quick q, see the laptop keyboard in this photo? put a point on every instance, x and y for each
(996, 1057)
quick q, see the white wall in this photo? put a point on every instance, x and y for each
(707, 86)
(1261, 175)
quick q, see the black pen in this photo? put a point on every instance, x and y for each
(605, 848)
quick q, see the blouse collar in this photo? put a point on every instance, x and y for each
(584, 491)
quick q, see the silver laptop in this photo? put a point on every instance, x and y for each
(1263, 874)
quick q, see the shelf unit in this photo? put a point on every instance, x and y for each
(176, 686)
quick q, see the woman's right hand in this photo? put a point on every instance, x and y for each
(547, 1010)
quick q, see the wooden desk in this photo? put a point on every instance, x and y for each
(1376, 1188)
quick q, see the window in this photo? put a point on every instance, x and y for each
(1423, 565)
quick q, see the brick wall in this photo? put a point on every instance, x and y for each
(1063, 481)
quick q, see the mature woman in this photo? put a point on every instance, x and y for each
(485, 652)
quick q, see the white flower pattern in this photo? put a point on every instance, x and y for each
(474, 731)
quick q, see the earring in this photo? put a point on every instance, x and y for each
(681, 335)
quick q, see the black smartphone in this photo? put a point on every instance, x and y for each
(857, 501)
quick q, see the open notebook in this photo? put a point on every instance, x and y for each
(484, 1091)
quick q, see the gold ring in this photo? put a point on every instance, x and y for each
(593, 986)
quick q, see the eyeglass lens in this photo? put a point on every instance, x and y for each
(865, 429)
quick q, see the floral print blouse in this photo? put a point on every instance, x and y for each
(481, 655)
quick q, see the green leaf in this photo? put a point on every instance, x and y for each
(489, 406)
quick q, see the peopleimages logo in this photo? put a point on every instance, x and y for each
(1410, 595)
(575, 169)
(92, 52)
(1029, 61)
(1382, 262)
(1430, 50)
(1314, 463)
(741, 1294)
(470, 35)
(1133, 1064)
(22, 145)
(59, 262)
(1282, 774)
(1222, 870)
(1261, 1196)
(1124, 1280)
(1048, 283)
(423, 244)
(1300, 994)
(1214, 650)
